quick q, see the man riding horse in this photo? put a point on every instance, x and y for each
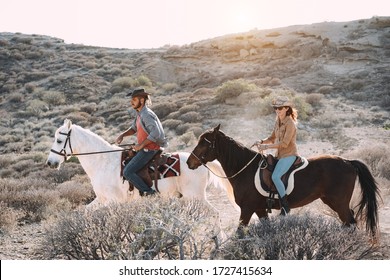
(150, 139)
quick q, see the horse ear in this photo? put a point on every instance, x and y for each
(216, 129)
(68, 123)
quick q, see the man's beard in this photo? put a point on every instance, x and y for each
(137, 106)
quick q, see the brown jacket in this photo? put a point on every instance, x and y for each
(285, 133)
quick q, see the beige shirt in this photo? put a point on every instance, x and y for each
(285, 133)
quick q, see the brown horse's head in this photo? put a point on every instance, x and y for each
(205, 150)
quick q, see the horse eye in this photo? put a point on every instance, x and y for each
(59, 141)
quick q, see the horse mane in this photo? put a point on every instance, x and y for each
(89, 134)
(230, 148)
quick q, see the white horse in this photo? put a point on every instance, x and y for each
(102, 163)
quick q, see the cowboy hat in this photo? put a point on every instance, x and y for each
(138, 92)
(281, 101)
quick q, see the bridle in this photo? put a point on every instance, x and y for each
(212, 146)
(63, 150)
(67, 140)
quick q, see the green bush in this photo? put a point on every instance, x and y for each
(234, 88)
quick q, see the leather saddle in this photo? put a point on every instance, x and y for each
(150, 172)
(268, 167)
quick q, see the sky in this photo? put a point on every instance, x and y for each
(137, 24)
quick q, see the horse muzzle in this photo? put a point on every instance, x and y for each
(193, 163)
(53, 164)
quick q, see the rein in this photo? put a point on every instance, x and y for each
(66, 155)
(212, 145)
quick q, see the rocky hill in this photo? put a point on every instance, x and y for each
(43, 80)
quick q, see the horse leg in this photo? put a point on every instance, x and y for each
(245, 217)
(262, 213)
(342, 209)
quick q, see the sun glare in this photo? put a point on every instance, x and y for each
(244, 19)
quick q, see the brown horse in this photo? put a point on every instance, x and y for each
(330, 178)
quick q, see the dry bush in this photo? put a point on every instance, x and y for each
(295, 237)
(314, 99)
(150, 228)
(188, 138)
(15, 98)
(36, 107)
(189, 108)
(171, 123)
(190, 117)
(31, 197)
(8, 218)
(143, 81)
(234, 88)
(53, 97)
(170, 87)
(77, 193)
(163, 109)
(377, 157)
(183, 128)
(122, 84)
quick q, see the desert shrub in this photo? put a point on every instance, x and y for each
(54, 98)
(295, 237)
(304, 109)
(32, 198)
(8, 218)
(189, 108)
(377, 157)
(190, 117)
(77, 193)
(163, 109)
(122, 84)
(314, 99)
(234, 88)
(183, 128)
(5, 161)
(36, 107)
(162, 228)
(143, 81)
(325, 89)
(171, 124)
(170, 87)
(197, 130)
(30, 87)
(188, 138)
(15, 98)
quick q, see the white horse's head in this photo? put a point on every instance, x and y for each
(61, 146)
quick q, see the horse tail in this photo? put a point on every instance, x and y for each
(368, 205)
(217, 178)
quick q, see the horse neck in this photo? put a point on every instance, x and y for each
(232, 155)
(84, 141)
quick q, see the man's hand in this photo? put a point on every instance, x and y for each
(119, 139)
(137, 147)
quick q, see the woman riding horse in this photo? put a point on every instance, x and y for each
(283, 138)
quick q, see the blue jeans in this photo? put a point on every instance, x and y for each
(136, 164)
(281, 168)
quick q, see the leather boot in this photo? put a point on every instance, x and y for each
(284, 208)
